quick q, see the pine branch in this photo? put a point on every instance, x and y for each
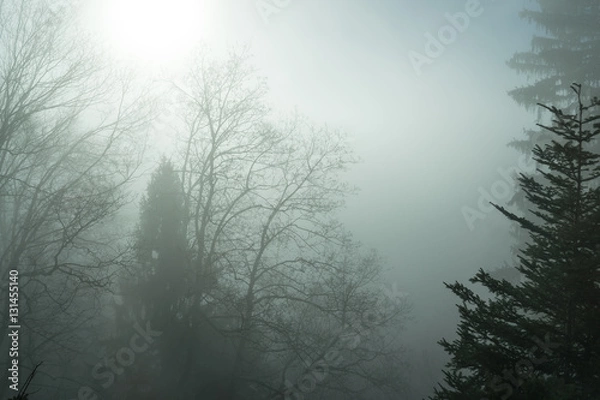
(525, 223)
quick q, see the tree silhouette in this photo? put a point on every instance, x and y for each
(540, 339)
(66, 123)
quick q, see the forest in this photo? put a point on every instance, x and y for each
(262, 218)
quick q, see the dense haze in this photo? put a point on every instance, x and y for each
(430, 140)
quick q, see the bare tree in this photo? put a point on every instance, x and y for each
(336, 335)
(65, 157)
(260, 198)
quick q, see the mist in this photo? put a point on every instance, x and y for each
(206, 199)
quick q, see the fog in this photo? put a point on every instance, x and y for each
(421, 89)
(428, 141)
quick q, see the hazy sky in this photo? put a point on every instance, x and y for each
(429, 142)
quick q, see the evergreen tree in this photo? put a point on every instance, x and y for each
(155, 291)
(161, 242)
(190, 356)
(566, 50)
(156, 286)
(540, 339)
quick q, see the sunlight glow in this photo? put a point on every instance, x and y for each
(153, 31)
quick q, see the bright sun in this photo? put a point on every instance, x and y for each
(152, 31)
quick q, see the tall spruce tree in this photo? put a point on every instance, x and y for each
(155, 291)
(190, 358)
(565, 49)
(161, 241)
(540, 339)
